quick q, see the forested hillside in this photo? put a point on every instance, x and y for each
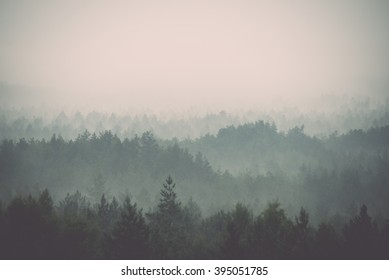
(252, 164)
(248, 191)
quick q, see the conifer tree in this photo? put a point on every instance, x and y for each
(361, 236)
(130, 234)
(166, 223)
(239, 234)
(326, 242)
(302, 235)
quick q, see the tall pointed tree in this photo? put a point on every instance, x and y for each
(166, 223)
(168, 204)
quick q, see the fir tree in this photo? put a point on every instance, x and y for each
(130, 234)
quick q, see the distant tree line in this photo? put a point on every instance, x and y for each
(42, 122)
(35, 228)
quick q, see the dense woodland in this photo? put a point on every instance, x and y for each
(194, 130)
(33, 228)
(247, 191)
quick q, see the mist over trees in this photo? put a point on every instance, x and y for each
(247, 190)
(34, 228)
(255, 163)
(194, 130)
(323, 119)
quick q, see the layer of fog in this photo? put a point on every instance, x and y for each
(196, 56)
(21, 117)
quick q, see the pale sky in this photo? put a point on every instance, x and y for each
(195, 53)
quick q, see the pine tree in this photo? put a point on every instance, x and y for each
(166, 223)
(103, 214)
(30, 228)
(326, 244)
(168, 204)
(130, 234)
(302, 237)
(276, 228)
(361, 236)
(238, 244)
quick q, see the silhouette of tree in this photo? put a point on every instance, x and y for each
(237, 245)
(79, 238)
(276, 233)
(73, 205)
(303, 238)
(361, 236)
(30, 228)
(214, 230)
(166, 224)
(130, 234)
(103, 215)
(327, 244)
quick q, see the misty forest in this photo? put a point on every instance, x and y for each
(247, 191)
(194, 129)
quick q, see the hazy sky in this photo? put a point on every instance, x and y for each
(195, 53)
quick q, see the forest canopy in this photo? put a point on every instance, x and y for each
(35, 228)
(248, 191)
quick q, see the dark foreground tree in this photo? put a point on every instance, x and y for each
(327, 244)
(361, 237)
(274, 233)
(130, 234)
(30, 229)
(167, 225)
(238, 243)
(303, 236)
(79, 235)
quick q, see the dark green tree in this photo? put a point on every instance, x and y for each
(238, 243)
(130, 235)
(275, 232)
(103, 214)
(168, 204)
(30, 228)
(327, 243)
(73, 205)
(80, 236)
(361, 237)
(192, 218)
(303, 237)
(214, 232)
(167, 225)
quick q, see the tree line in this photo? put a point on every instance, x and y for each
(75, 228)
(332, 115)
(252, 163)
